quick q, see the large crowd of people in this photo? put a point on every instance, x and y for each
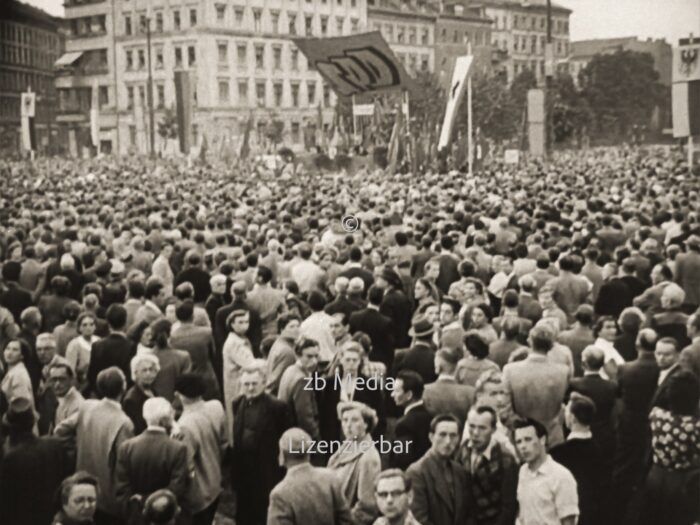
(517, 346)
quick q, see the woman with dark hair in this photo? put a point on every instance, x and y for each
(476, 362)
(16, 381)
(173, 363)
(425, 294)
(672, 485)
(237, 355)
(606, 332)
(140, 333)
(78, 350)
(481, 317)
(78, 495)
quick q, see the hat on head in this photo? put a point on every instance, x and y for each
(420, 327)
(19, 415)
(693, 240)
(190, 385)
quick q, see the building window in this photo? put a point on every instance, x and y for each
(159, 22)
(277, 89)
(142, 96)
(132, 134)
(424, 63)
(160, 96)
(324, 25)
(326, 96)
(275, 20)
(238, 13)
(257, 20)
(309, 24)
(295, 95)
(294, 55)
(220, 12)
(413, 62)
(455, 36)
(242, 93)
(241, 52)
(142, 58)
(223, 92)
(129, 60)
(178, 57)
(295, 133)
(191, 56)
(143, 24)
(292, 20)
(103, 95)
(127, 25)
(222, 48)
(260, 57)
(311, 92)
(176, 20)
(159, 58)
(353, 3)
(412, 35)
(193, 17)
(277, 57)
(354, 25)
(390, 32)
(260, 94)
(129, 97)
(339, 21)
(400, 34)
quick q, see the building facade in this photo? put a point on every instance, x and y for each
(30, 43)
(408, 26)
(455, 28)
(241, 59)
(584, 50)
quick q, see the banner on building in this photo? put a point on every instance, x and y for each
(27, 113)
(356, 64)
(686, 88)
(455, 96)
(95, 115)
(363, 110)
(183, 102)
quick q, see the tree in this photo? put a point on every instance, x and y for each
(622, 90)
(570, 110)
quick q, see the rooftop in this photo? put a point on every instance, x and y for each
(27, 14)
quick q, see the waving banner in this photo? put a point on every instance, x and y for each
(357, 64)
(456, 94)
(686, 88)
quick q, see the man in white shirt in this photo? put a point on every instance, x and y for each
(318, 327)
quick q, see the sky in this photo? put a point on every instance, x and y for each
(669, 19)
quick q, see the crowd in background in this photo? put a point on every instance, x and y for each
(517, 346)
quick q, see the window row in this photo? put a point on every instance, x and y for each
(20, 34)
(26, 56)
(79, 100)
(457, 36)
(281, 94)
(275, 58)
(400, 34)
(534, 23)
(87, 26)
(136, 59)
(20, 80)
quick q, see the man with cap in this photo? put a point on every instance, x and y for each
(31, 470)
(201, 426)
(307, 494)
(420, 357)
(395, 305)
(688, 272)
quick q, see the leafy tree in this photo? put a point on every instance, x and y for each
(622, 90)
(570, 110)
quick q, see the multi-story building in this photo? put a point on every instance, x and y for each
(408, 26)
(455, 27)
(241, 58)
(519, 36)
(584, 50)
(30, 43)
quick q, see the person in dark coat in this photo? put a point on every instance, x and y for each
(144, 369)
(581, 456)
(614, 295)
(396, 306)
(14, 298)
(449, 265)
(31, 469)
(637, 382)
(446, 395)
(259, 420)
(355, 269)
(421, 356)
(152, 460)
(439, 483)
(194, 274)
(377, 326)
(667, 354)
(413, 426)
(114, 350)
(341, 303)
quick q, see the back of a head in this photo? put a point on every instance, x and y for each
(511, 328)
(161, 508)
(184, 312)
(317, 301)
(294, 445)
(111, 382)
(582, 408)
(593, 358)
(375, 295)
(646, 340)
(116, 317)
(447, 359)
(157, 411)
(542, 338)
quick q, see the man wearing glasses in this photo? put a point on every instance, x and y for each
(392, 490)
(62, 381)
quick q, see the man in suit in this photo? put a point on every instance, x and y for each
(446, 395)
(422, 256)
(355, 269)
(298, 387)
(393, 492)
(144, 369)
(448, 264)
(603, 393)
(267, 301)
(413, 426)
(688, 272)
(259, 420)
(307, 494)
(690, 356)
(510, 310)
(31, 469)
(152, 460)
(492, 471)
(569, 290)
(637, 383)
(582, 457)
(96, 432)
(421, 356)
(396, 306)
(627, 276)
(537, 386)
(202, 426)
(579, 336)
(439, 483)
(667, 356)
(377, 326)
(650, 300)
(14, 298)
(61, 390)
(114, 350)
(614, 295)
(193, 273)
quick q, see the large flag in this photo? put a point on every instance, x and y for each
(395, 143)
(686, 88)
(183, 98)
(245, 145)
(95, 115)
(455, 96)
(28, 111)
(356, 64)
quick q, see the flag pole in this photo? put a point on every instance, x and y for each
(470, 123)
